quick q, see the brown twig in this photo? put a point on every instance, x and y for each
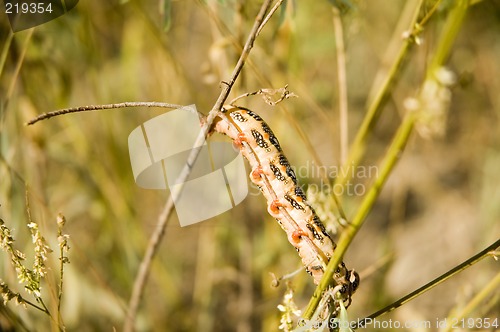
(157, 236)
(90, 108)
(342, 79)
(269, 15)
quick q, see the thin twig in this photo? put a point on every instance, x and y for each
(267, 95)
(265, 82)
(269, 15)
(491, 288)
(468, 263)
(156, 237)
(429, 14)
(63, 246)
(90, 108)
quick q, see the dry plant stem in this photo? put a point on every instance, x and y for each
(342, 81)
(468, 263)
(450, 31)
(269, 15)
(490, 288)
(430, 13)
(156, 237)
(62, 261)
(265, 82)
(19, 64)
(90, 108)
(375, 108)
(61, 284)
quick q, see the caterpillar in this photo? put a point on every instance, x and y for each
(286, 201)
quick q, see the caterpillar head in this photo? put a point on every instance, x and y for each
(354, 281)
(348, 286)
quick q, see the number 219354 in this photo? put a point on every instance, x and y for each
(28, 7)
(476, 323)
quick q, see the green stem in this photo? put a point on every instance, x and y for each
(45, 309)
(450, 30)
(358, 146)
(347, 236)
(42, 309)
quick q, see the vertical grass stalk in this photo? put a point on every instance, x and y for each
(358, 146)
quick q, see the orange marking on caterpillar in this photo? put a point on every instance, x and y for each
(297, 234)
(257, 172)
(274, 208)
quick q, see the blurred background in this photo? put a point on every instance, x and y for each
(439, 207)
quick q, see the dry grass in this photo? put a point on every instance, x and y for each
(439, 207)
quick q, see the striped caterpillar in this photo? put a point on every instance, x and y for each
(286, 201)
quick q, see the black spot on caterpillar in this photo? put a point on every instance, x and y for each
(274, 141)
(259, 139)
(294, 203)
(238, 117)
(277, 172)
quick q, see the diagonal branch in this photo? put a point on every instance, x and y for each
(442, 278)
(157, 236)
(448, 35)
